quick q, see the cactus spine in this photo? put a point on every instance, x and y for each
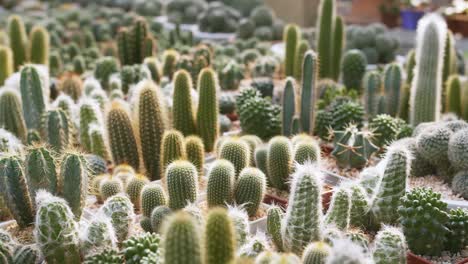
(41, 170)
(426, 88)
(172, 148)
(237, 152)
(32, 97)
(18, 40)
(279, 162)
(292, 36)
(207, 114)
(220, 239)
(11, 114)
(39, 45)
(274, 218)
(120, 210)
(6, 62)
(182, 110)
(453, 98)
(250, 189)
(372, 87)
(152, 196)
(57, 129)
(289, 107)
(308, 96)
(390, 246)
(74, 177)
(316, 253)
(220, 184)
(182, 184)
(392, 81)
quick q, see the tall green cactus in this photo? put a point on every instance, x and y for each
(74, 181)
(11, 114)
(353, 68)
(122, 141)
(18, 40)
(172, 148)
(308, 92)
(97, 140)
(220, 186)
(292, 36)
(151, 125)
(392, 82)
(6, 62)
(135, 43)
(372, 88)
(196, 153)
(39, 45)
(32, 97)
(120, 210)
(324, 26)
(302, 47)
(207, 114)
(154, 66)
(182, 109)
(89, 113)
(220, 239)
(289, 107)
(250, 189)
(453, 98)
(57, 129)
(41, 170)
(15, 190)
(56, 230)
(237, 152)
(426, 88)
(338, 213)
(182, 184)
(274, 218)
(338, 45)
(279, 162)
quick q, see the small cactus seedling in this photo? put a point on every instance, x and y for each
(110, 186)
(134, 187)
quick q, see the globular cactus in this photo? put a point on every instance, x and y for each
(347, 113)
(237, 152)
(302, 47)
(323, 119)
(182, 184)
(385, 129)
(170, 58)
(353, 68)
(453, 95)
(372, 85)
(231, 75)
(195, 153)
(390, 246)
(183, 110)
(79, 64)
(6, 62)
(11, 113)
(274, 219)
(152, 196)
(279, 162)
(39, 45)
(240, 220)
(220, 186)
(172, 148)
(308, 92)
(289, 107)
(97, 235)
(41, 170)
(15, 190)
(392, 82)
(458, 149)
(196, 213)
(140, 246)
(109, 256)
(145, 224)
(307, 151)
(460, 183)
(339, 212)
(32, 96)
(74, 181)
(426, 87)
(250, 189)
(158, 217)
(120, 210)
(55, 64)
(58, 129)
(416, 208)
(122, 140)
(433, 144)
(208, 109)
(28, 254)
(182, 242)
(261, 154)
(134, 188)
(89, 113)
(316, 253)
(18, 40)
(105, 67)
(358, 237)
(301, 224)
(151, 124)
(458, 228)
(291, 37)
(96, 165)
(110, 186)
(220, 239)
(56, 232)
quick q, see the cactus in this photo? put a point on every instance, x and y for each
(323, 119)
(253, 141)
(424, 237)
(385, 129)
(237, 152)
(240, 220)
(279, 162)
(301, 224)
(339, 211)
(390, 246)
(96, 165)
(324, 44)
(250, 189)
(182, 184)
(170, 58)
(426, 88)
(105, 67)
(231, 75)
(172, 148)
(71, 85)
(291, 37)
(28, 254)
(135, 43)
(195, 153)
(97, 140)
(120, 210)
(289, 107)
(458, 228)
(345, 251)
(182, 243)
(32, 96)
(134, 188)
(302, 47)
(359, 207)
(182, 110)
(458, 149)
(261, 154)
(122, 141)
(308, 92)
(108, 256)
(57, 129)
(98, 235)
(220, 186)
(74, 181)
(154, 66)
(152, 196)
(158, 217)
(316, 253)
(89, 113)
(307, 151)
(139, 246)
(353, 68)
(338, 44)
(109, 187)
(459, 183)
(207, 114)
(6, 62)
(145, 224)
(39, 45)
(220, 240)
(392, 82)
(347, 113)
(372, 87)
(433, 145)
(40, 170)
(274, 218)
(15, 190)
(254, 247)
(18, 40)
(11, 114)
(453, 97)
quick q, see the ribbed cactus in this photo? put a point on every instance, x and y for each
(172, 148)
(372, 84)
(385, 129)
(303, 216)
(453, 98)
(195, 153)
(392, 82)
(120, 210)
(390, 246)
(338, 45)
(292, 36)
(40, 169)
(307, 151)
(152, 196)
(89, 113)
(97, 140)
(6, 62)
(261, 154)
(74, 181)
(338, 213)
(183, 118)
(135, 43)
(316, 253)
(346, 113)
(154, 66)
(71, 85)
(182, 242)
(32, 96)
(98, 234)
(274, 218)
(302, 47)
(207, 114)
(458, 228)
(253, 141)
(134, 188)
(122, 141)
(109, 187)
(158, 217)
(359, 207)
(105, 67)
(324, 44)
(346, 251)
(57, 130)
(28, 254)
(18, 40)
(182, 184)
(433, 145)
(39, 45)
(426, 88)
(56, 231)
(237, 152)
(308, 92)
(11, 114)
(353, 68)
(170, 58)
(220, 186)
(279, 162)
(151, 125)
(15, 190)
(250, 189)
(220, 239)
(289, 107)
(109, 256)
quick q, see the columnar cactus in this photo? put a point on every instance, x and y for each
(240, 220)
(353, 68)
(390, 246)
(195, 153)
(307, 151)
(183, 118)
(182, 243)
(392, 82)
(220, 239)
(154, 66)
(301, 223)
(134, 188)
(135, 43)
(207, 114)
(158, 217)
(15, 190)
(453, 97)
(56, 231)
(109, 187)
(316, 253)
(122, 141)
(6, 62)
(289, 107)
(360, 206)
(261, 154)
(32, 96)
(151, 125)
(279, 162)
(345, 251)
(458, 149)
(170, 58)
(308, 92)
(338, 45)
(237, 152)
(39, 45)
(98, 235)
(458, 228)
(172, 148)
(120, 210)
(339, 211)
(372, 84)
(18, 40)
(274, 218)
(253, 141)
(89, 113)
(426, 88)
(291, 37)
(105, 67)
(11, 114)
(57, 129)
(220, 186)
(74, 181)
(302, 47)
(40, 170)
(324, 44)
(97, 140)
(152, 196)
(250, 189)
(71, 85)
(182, 184)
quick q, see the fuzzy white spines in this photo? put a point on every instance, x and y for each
(240, 219)
(344, 251)
(197, 214)
(91, 84)
(9, 143)
(340, 208)
(255, 245)
(390, 246)
(426, 88)
(97, 234)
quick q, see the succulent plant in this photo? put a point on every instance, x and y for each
(389, 246)
(183, 110)
(240, 220)
(308, 92)
(458, 149)
(182, 184)
(98, 235)
(137, 247)
(353, 68)
(135, 43)
(289, 107)
(18, 40)
(346, 113)
(172, 148)
(339, 212)
(207, 114)
(119, 209)
(220, 186)
(316, 253)
(11, 113)
(279, 162)
(41, 170)
(458, 228)
(158, 217)
(250, 189)
(32, 96)
(110, 186)
(237, 152)
(109, 256)
(134, 188)
(74, 181)
(307, 151)
(28, 254)
(372, 85)
(220, 239)
(152, 196)
(274, 218)
(459, 184)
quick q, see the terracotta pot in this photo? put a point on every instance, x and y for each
(390, 20)
(458, 24)
(414, 259)
(283, 203)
